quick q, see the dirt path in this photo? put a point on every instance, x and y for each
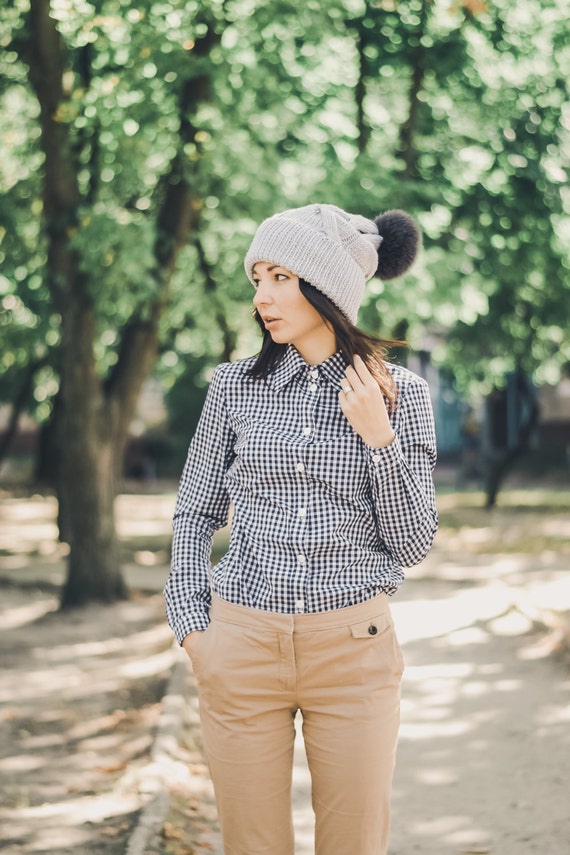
(484, 757)
(79, 699)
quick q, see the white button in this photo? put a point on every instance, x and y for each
(300, 605)
(376, 458)
(307, 431)
(314, 373)
(302, 512)
(313, 387)
(300, 467)
(301, 559)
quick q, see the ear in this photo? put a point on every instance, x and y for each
(401, 240)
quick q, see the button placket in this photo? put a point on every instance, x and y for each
(299, 523)
(301, 513)
(311, 389)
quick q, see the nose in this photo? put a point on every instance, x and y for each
(262, 295)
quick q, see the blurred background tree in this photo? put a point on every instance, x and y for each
(142, 143)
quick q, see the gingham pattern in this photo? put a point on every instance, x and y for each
(320, 520)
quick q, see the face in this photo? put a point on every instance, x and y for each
(287, 314)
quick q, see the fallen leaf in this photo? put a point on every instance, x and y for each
(170, 832)
(112, 767)
(110, 831)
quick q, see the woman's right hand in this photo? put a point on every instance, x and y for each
(192, 641)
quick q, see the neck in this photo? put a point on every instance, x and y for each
(318, 347)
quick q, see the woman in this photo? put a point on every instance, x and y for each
(325, 453)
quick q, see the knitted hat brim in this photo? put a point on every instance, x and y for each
(311, 256)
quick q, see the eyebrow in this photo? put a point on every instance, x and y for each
(269, 269)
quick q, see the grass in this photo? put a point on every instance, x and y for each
(531, 521)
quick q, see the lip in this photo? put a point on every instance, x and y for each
(269, 323)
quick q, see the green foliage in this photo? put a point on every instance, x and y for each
(459, 114)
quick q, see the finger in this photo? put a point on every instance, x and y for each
(363, 371)
(347, 401)
(353, 378)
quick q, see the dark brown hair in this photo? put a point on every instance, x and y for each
(350, 341)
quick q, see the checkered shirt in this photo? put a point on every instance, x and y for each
(320, 520)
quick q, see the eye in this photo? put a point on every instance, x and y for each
(281, 276)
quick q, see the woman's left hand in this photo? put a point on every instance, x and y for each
(363, 405)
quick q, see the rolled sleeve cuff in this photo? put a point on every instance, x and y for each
(198, 620)
(386, 458)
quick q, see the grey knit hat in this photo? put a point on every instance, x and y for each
(334, 251)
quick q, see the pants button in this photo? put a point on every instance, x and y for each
(372, 629)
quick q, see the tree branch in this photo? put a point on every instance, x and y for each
(19, 405)
(44, 54)
(210, 286)
(178, 215)
(362, 125)
(408, 130)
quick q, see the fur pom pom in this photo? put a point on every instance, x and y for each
(401, 239)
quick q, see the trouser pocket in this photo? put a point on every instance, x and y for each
(379, 634)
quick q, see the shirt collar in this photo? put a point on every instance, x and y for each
(333, 369)
(292, 364)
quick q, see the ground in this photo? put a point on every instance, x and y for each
(483, 755)
(80, 691)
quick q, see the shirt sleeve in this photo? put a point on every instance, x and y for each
(201, 508)
(402, 480)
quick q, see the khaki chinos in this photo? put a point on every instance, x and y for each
(342, 669)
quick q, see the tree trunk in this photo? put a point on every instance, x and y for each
(93, 417)
(86, 476)
(500, 460)
(87, 482)
(94, 572)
